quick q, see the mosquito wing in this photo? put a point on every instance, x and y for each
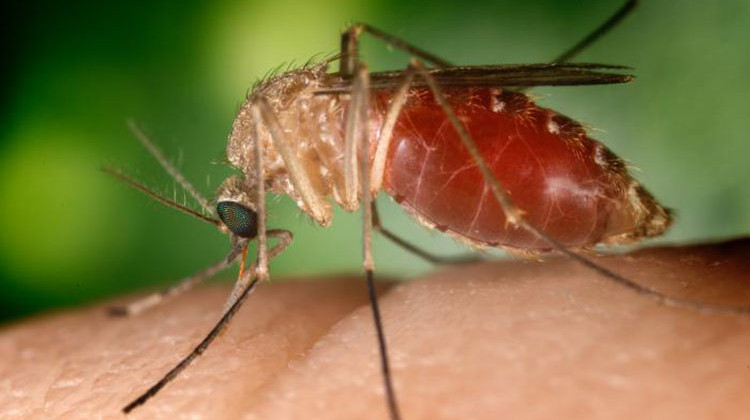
(509, 75)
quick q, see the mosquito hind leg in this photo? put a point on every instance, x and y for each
(377, 171)
(419, 252)
(350, 48)
(350, 42)
(598, 33)
(594, 35)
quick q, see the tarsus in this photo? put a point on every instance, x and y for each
(197, 351)
(605, 27)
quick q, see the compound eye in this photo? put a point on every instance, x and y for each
(239, 219)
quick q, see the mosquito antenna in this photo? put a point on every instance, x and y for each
(158, 197)
(197, 351)
(599, 32)
(171, 170)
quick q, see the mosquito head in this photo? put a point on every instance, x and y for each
(239, 219)
(235, 208)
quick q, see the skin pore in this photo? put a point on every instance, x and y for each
(500, 339)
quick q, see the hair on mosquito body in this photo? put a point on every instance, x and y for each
(463, 149)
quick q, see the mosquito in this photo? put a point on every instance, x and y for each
(462, 148)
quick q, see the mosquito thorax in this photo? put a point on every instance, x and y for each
(312, 123)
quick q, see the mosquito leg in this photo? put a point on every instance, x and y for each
(357, 128)
(593, 36)
(599, 32)
(250, 278)
(421, 253)
(313, 200)
(171, 170)
(285, 238)
(359, 108)
(197, 351)
(261, 271)
(514, 216)
(378, 169)
(179, 288)
(512, 213)
(353, 130)
(350, 48)
(386, 131)
(350, 41)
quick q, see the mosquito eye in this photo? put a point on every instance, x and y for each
(239, 219)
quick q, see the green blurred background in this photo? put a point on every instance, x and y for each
(74, 72)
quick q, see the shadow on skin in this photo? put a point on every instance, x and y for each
(505, 339)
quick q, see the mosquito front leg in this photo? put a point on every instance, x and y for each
(261, 269)
(182, 286)
(250, 278)
(197, 351)
(285, 239)
(260, 202)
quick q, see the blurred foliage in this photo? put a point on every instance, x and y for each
(74, 72)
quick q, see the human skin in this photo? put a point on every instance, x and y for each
(501, 339)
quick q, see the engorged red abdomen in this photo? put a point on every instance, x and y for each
(570, 186)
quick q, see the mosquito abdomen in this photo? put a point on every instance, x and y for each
(569, 185)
